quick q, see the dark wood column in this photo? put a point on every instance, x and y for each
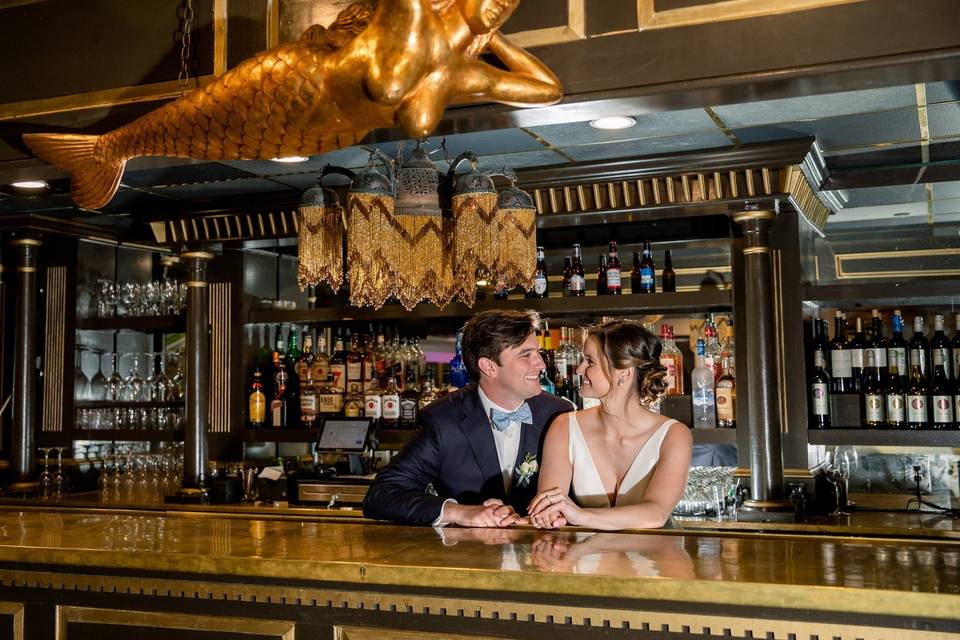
(196, 451)
(766, 458)
(24, 401)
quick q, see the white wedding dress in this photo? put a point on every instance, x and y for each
(587, 488)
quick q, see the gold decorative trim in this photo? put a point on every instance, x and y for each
(197, 255)
(272, 17)
(454, 607)
(776, 278)
(743, 216)
(749, 251)
(779, 505)
(649, 18)
(194, 622)
(220, 362)
(575, 29)
(379, 633)
(843, 273)
(26, 242)
(54, 348)
(196, 283)
(26, 269)
(221, 17)
(15, 610)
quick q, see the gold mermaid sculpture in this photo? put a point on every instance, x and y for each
(398, 63)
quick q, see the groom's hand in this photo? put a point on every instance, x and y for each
(492, 513)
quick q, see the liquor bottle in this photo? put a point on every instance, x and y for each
(917, 417)
(726, 397)
(955, 349)
(648, 270)
(573, 358)
(329, 398)
(635, 273)
(256, 400)
(567, 273)
(821, 344)
(578, 284)
(819, 393)
(728, 348)
(939, 343)
(541, 286)
(308, 389)
(373, 402)
(429, 392)
(895, 402)
(278, 405)
(281, 346)
(668, 279)
(391, 404)
(602, 275)
(546, 382)
(871, 395)
(368, 367)
(713, 350)
(459, 377)
(878, 345)
(941, 394)
(613, 271)
(918, 350)
(338, 365)
(353, 402)
(354, 360)
(701, 381)
(409, 402)
(840, 363)
(857, 347)
(672, 360)
(321, 361)
(560, 367)
(897, 350)
(547, 352)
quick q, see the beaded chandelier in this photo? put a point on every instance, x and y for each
(413, 234)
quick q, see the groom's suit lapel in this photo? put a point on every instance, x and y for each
(476, 427)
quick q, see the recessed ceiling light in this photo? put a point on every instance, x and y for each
(29, 184)
(291, 159)
(613, 122)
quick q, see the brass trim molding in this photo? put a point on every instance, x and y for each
(249, 626)
(15, 610)
(749, 251)
(196, 283)
(197, 255)
(649, 18)
(842, 273)
(743, 216)
(455, 607)
(26, 242)
(55, 350)
(26, 269)
(575, 29)
(221, 16)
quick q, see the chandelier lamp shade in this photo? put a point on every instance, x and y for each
(414, 234)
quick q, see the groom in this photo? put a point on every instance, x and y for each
(474, 460)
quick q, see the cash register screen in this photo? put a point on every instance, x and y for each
(344, 434)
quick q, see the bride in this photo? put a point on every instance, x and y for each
(624, 466)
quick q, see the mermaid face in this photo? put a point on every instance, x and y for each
(484, 16)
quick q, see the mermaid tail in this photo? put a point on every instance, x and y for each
(93, 182)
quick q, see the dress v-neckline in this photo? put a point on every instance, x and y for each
(596, 470)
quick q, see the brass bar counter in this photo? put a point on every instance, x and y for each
(75, 574)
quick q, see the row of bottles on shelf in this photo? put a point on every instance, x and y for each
(901, 384)
(610, 278)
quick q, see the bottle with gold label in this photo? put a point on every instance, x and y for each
(726, 397)
(329, 399)
(308, 391)
(257, 400)
(353, 402)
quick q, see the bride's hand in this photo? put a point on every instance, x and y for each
(553, 508)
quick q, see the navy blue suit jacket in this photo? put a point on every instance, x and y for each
(454, 452)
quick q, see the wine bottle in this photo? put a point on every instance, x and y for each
(541, 286)
(668, 279)
(939, 343)
(567, 273)
(955, 350)
(635, 273)
(897, 350)
(919, 349)
(941, 394)
(613, 271)
(878, 344)
(648, 283)
(726, 397)
(819, 394)
(895, 402)
(841, 366)
(821, 344)
(917, 411)
(857, 346)
(602, 275)
(871, 395)
(578, 284)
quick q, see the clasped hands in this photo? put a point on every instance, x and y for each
(550, 509)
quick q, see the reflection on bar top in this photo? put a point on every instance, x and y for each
(776, 570)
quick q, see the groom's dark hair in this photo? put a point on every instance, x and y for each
(488, 333)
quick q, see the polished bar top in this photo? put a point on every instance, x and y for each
(808, 572)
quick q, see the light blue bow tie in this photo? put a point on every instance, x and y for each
(501, 419)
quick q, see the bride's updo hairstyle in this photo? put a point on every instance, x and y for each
(628, 344)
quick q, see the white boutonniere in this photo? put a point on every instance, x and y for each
(528, 468)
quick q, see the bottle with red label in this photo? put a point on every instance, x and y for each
(672, 360)
(613, 271)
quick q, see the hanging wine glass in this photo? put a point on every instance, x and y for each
(114, 382)
(98, 383)
(81, 384)
(133, 383)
